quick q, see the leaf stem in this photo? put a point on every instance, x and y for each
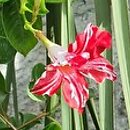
(66, 115)
(54, 120)
(78, 120)
(8, 123)
(42, 114)
(33, 120)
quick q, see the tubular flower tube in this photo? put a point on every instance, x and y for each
(70, 67)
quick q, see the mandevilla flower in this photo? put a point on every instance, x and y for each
(70, 67)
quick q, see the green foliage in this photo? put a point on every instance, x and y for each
(26, 118)
(54, 1)
(42, 9)
(7, 52)
(52, 126)
(3, 126)
(2, 83)
(2, 1)
(21, 39)
(3, 92)
(122, 36)
(37, 71)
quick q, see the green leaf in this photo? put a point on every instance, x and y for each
(3, 95)
(52, 126)
(3, 126)
(7, 128)
(2, 83)
(92, 109)
(3, 92)
(7, 52)
(2, 1)
(36, 73)
(35, 97)
(28, 117)
(103, 17)
(13, 24)
(55, 1)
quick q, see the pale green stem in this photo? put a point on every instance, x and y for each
(103, 16)
(44, 39)
(65, 109)
(122, 35)
(66, 115)
(78, 120)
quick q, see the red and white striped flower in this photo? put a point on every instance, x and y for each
(70, 67)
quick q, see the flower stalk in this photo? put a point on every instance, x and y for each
(47, 43)
(67, 123)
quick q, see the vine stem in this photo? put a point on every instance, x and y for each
(36, 8)
(38, 117)
(9, 124)
(33, 120)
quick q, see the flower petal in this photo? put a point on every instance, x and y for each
(80, 44)
(49, 82)
(100, 40)
(75, 89)
(98, 69)
(92, 40)
(77, 60)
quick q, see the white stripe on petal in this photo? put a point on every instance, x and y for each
(74, 94)
(88, 32)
